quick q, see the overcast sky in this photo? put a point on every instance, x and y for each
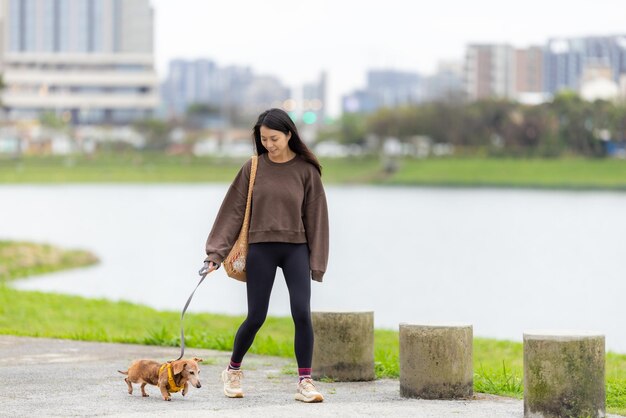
(296, 39)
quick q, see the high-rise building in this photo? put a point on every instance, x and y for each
(394, 88)
(529, 75)
(227, 89)
(314, 101)
(235, 81)
(264, 92)
(189, 82)
(501, 71)
(358, 101)
(446, 83)
(88, 60)
(529, 69)
(567, 58)
(489, 71)
(385, 88)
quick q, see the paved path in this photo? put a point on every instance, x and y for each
(48, 377)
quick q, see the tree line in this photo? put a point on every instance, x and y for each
(567, 125)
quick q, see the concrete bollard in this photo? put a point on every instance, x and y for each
(344, 345)
(563, 374)
(436, 361)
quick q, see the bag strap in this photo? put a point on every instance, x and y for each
(243, 234)
(202, 273)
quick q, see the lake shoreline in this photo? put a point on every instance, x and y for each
(421, 185)
(472, 172)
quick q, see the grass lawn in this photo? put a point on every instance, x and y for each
(497, 364)
(539, 173)
(21, 259)
(565, 173)
(155, 168)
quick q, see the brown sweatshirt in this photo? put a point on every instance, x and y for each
(288, 205)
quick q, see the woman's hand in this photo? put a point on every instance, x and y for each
(208, 267)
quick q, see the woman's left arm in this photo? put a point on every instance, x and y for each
(316, 227)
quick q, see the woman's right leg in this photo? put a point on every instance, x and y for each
(261, 264)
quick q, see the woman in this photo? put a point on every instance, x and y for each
(288, 229)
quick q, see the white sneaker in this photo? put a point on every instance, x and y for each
(232, 383)
(307, 392)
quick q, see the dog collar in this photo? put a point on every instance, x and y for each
(170, 377)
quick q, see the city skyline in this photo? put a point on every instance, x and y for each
(348, 38)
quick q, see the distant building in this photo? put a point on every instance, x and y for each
(446, 83)
(489, 71)
(391, 88)
(235, 81)
(358, 101)
(314, 102)
(529, 75)
(529, 69)
(597, 83)
(189, 82)
(385, 88)
(202, 81)
(264, 92)
(566, 59)
(501, 71)
(90, 61)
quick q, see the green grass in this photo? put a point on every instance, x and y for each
(61, 316)
(20, 259)
(498, 364)
(564, 173)
(538, 173)
(115, 168)
(498, 367)
(154, 168)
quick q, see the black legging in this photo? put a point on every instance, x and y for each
(261, 263)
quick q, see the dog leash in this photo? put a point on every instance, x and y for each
(203, 272)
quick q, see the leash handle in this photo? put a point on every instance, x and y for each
(203, 273)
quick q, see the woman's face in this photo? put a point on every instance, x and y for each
(274, 141)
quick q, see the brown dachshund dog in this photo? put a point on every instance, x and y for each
(169, 377)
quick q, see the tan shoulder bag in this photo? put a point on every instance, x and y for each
(235, 262)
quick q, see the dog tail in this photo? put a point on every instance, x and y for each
(126, 372)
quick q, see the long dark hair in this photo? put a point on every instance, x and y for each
(279, 120)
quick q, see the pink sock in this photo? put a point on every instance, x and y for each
(304, 373)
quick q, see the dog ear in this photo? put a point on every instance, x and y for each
(198, 360)
(178, 366)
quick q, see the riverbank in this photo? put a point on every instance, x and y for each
(497, 364)
(22, 259)
(565, 173)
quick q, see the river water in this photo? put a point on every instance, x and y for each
(504, 261)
